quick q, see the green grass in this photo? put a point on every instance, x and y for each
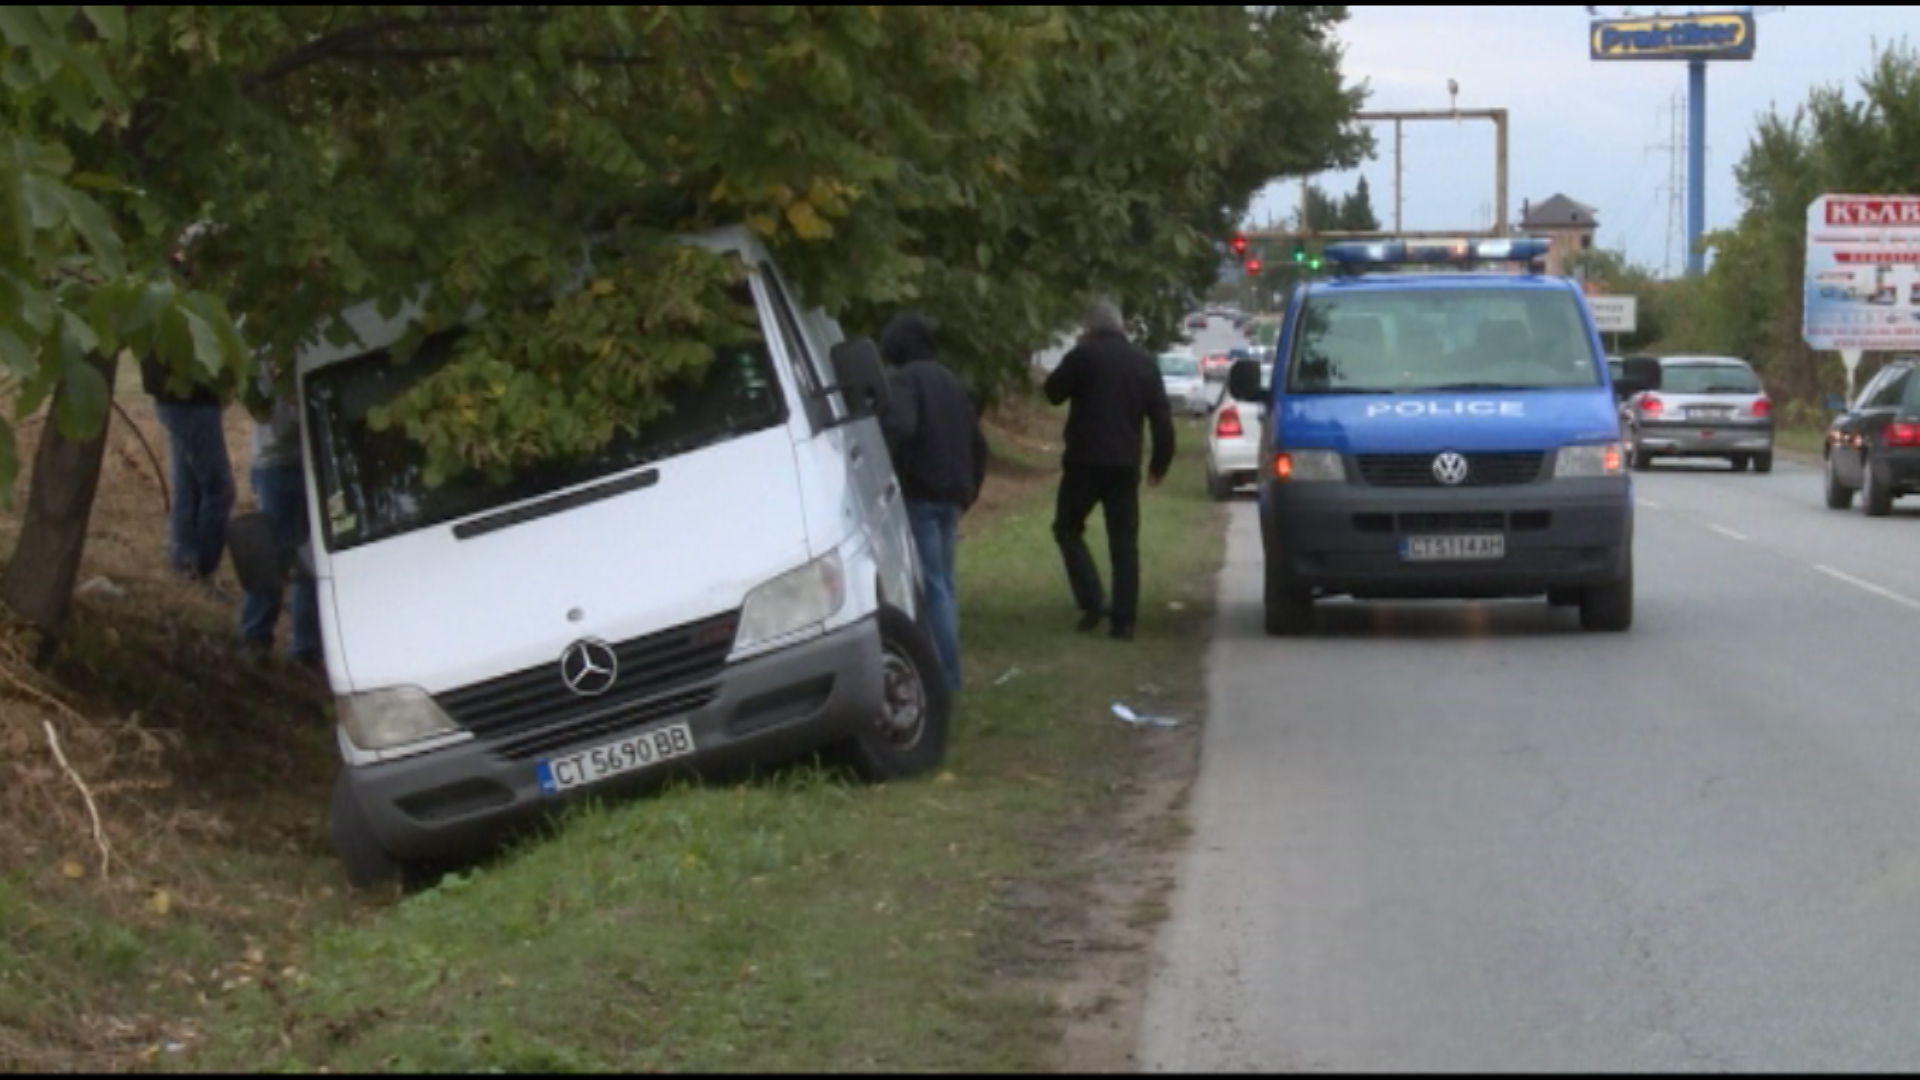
(1803, 441)
(798, 923)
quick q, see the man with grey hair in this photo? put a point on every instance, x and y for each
(1115, 388)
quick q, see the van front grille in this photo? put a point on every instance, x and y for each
(1483, 470)
(658, 676)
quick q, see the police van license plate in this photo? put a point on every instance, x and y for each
(1453, 548)
(624, 756)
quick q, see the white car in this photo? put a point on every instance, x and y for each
(1187, 391)
(1233, 442)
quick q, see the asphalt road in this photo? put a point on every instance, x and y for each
(1444, 837)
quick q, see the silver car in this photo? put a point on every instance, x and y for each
(1187, 391)
(1706, 407)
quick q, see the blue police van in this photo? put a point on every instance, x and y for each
(1442, 427)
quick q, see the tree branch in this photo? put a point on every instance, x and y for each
(343, 41)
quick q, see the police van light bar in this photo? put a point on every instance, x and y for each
(1457, 252)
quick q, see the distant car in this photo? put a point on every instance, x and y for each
(1214, 367)
(1233, 443)
(1873, 448)
(1196, 322)
(1187, 392)
(1706, 407)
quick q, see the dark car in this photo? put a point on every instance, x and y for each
(1873, 448)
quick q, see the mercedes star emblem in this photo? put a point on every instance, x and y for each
(589, 668)
(1450, 469)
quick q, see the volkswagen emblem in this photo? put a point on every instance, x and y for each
(589, 668)
(1450, 469)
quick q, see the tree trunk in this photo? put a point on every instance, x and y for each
(38, 586)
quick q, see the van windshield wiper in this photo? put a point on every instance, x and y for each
(1447, 387)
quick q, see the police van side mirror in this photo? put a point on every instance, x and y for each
(1243, 381)
(862, 380)
(1641, 375)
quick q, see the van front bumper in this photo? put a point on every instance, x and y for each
(1345, 539)
(462, 799)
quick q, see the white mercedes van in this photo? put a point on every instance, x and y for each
(737, 584)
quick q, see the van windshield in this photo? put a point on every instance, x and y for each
(372, 483)
(1435, 340)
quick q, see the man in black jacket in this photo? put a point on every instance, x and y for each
(1115, 387)
(940, 454)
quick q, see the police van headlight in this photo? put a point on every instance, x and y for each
(795, 601)
(1590, 462)
(387, 719)
(1309, 467)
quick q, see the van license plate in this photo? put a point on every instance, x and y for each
(1453, 548)
(630, 754)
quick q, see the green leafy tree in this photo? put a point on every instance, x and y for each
(1356, 210)
(997, 166)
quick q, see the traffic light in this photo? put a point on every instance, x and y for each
(1239, 244)
(1253, 267)
(1299, 252)
(1314, 265)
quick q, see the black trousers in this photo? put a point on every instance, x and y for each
(1117, 491)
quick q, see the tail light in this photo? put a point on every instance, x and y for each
(1652, 406)
(1228, 426)
(1903, 435)
(1763, 408)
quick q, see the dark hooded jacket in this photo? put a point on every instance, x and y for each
(932, 426)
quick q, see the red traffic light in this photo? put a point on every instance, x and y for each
(1253, 266)
(1239, 244)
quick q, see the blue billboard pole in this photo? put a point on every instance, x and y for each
(1696, 166)
(1695, 39)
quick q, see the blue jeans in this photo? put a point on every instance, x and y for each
(202, 487)
(282, 492)
(935, 529)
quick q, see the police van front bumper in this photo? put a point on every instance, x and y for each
(1349, 539)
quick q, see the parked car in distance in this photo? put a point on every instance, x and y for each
(1233, 442)
(1187, 392)
(1214, 366)
(1873, 448)
(1706, 407)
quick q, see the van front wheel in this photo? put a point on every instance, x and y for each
(907, 735)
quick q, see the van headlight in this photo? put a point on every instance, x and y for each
(1589, 462)
(386, 719)
(795, 601)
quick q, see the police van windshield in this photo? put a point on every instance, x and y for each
(372, 484)
(1431, 340)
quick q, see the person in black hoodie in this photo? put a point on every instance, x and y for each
(940, 454)
(1115, 387)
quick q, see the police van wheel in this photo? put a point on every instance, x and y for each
(908, 735)
(368, 865)
(1289, 607)
(1609, 609)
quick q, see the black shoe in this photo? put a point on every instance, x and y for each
(1121, 633)
(1091, 620)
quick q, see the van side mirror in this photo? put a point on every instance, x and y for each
(257, 558)
(1836, 403)
(861, 377)
(1243, 381)
(1640, 374)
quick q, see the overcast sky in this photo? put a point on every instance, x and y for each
(1598, 132)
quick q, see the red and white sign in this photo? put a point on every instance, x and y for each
(1863, 273)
